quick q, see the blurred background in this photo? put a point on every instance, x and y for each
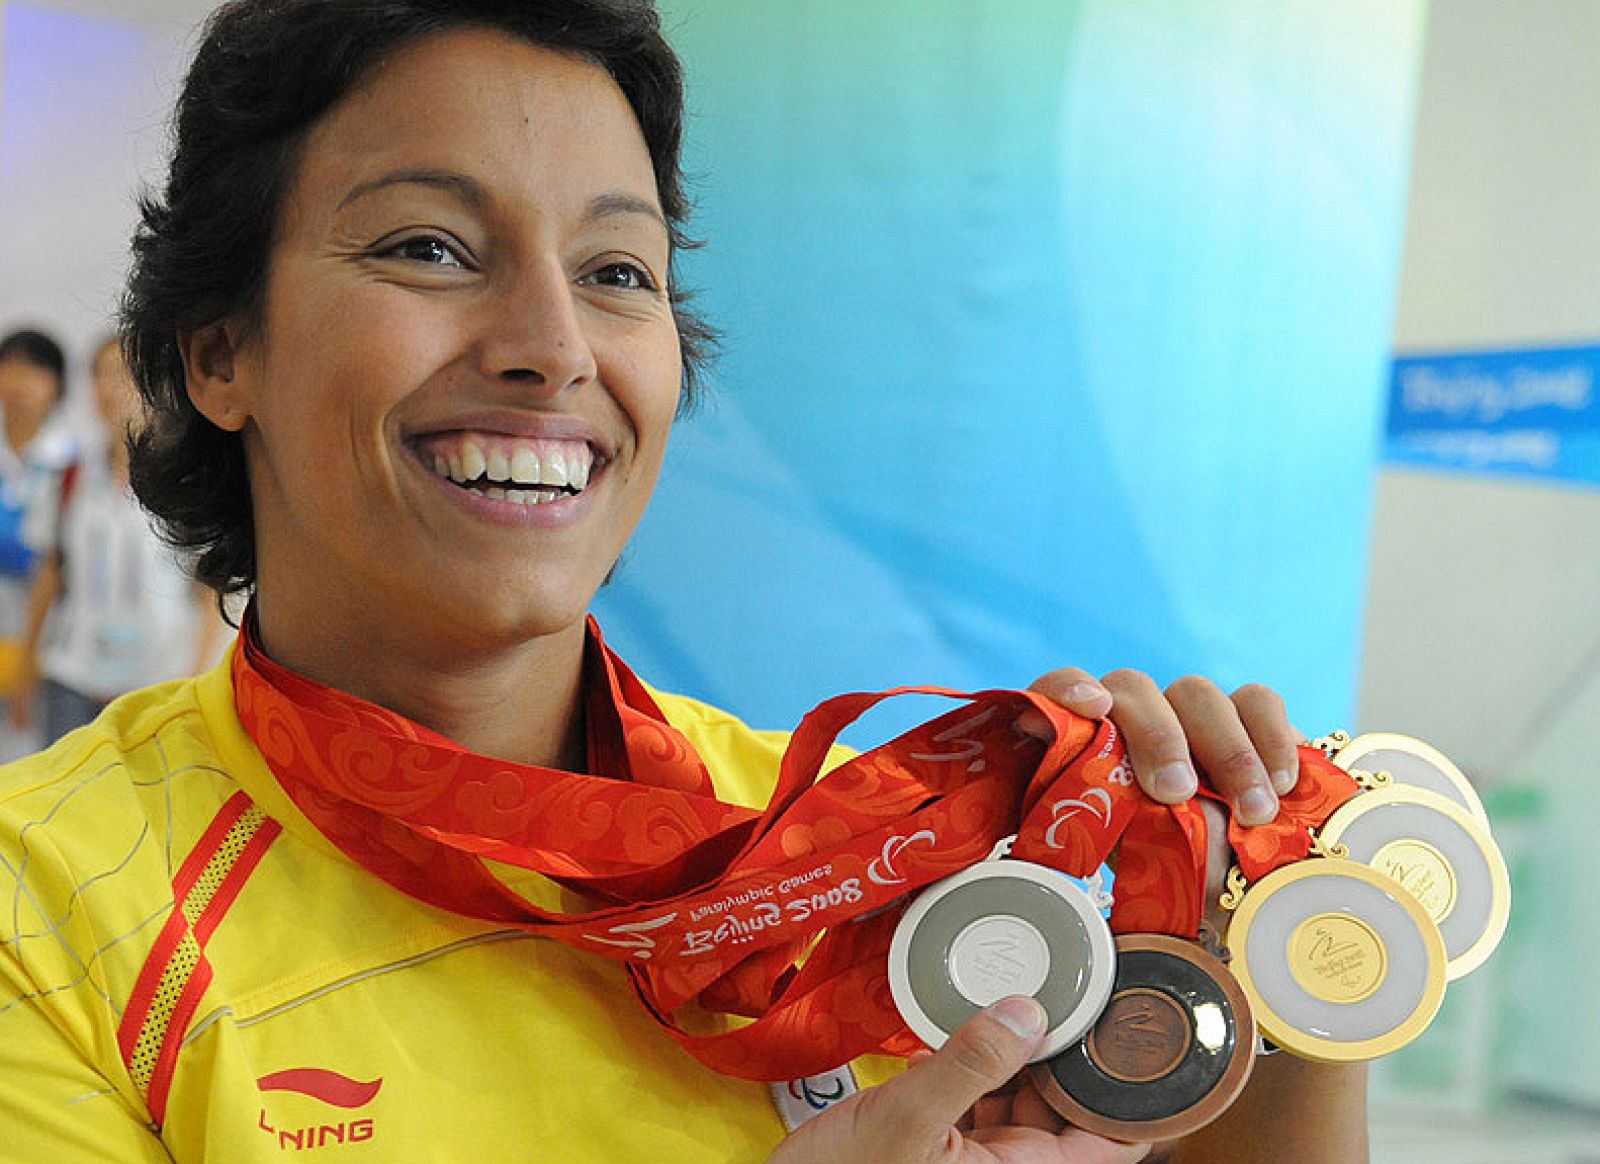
(1254, 338)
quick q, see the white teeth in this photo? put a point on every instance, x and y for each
(555, 468)
(525, 467)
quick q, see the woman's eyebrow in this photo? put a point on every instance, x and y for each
(470, 192)
(459, 185)
(619, 202)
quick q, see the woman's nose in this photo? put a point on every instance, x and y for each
(537, 336)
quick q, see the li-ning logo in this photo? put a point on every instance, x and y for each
(327, 1087)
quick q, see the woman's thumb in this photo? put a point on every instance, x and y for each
(982, 1054)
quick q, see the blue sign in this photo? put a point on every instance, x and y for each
(1528, 413)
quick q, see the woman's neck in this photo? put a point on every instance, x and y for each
(523, 704)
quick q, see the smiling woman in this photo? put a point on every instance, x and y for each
(406, 326)
(473, 268)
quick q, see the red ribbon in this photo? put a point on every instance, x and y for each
(777, 916)
(1323, 786)
(1161, 871)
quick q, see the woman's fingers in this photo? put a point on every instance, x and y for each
(915, 1117)
(1074, 689)
(1029, 1110)
(1276, 740)
(1223, 747)
(1243, 743)
(1155, 736)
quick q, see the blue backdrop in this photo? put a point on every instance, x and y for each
(1056, 332)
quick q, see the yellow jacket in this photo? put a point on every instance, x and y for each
(308, 1009)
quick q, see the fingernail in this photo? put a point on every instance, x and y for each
(1174, 782)
(1084, 693)
(1256, 805)
(1282, 781)
(1033, 723)
(1019, 1014)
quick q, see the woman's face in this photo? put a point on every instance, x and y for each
(458, 398)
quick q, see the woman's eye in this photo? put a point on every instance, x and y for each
(424, 249)
(622, 276)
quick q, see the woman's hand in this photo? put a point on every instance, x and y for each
(959, 1105)
(1243, 742)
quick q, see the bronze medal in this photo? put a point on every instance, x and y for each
(1171, 1051)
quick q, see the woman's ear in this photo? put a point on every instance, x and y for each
(211, 367)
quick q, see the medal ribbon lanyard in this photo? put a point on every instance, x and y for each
(736, 911)
(1161, 871)
(1322, 787)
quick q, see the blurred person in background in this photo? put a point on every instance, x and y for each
(110, 608)
(33, 454)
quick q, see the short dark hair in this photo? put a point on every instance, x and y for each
(31, 346)
(266, 72)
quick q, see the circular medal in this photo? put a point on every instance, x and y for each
(1340, 963)
(995, 929)
(1441, 854)
(1169, 1054)
(1411, 762)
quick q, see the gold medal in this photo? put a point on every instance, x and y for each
(1409, 762)
(1438, 852)
(1339, 963)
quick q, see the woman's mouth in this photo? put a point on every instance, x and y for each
(516, 469)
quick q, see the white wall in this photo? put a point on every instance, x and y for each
(1503, 238)
(1483, 621)
(1483, 594)
(84, 122)
(171, 13)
